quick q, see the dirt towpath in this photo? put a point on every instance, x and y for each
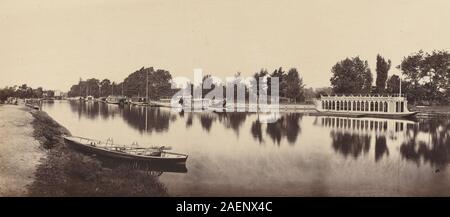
(20, 152)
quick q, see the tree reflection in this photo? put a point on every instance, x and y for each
(206, 121)
(381, 148)
(93, 110)
(349, 144)
(147, 119)
(287, 126)
(256, 131)
(432, 147)
(189, 120)
(232, 120)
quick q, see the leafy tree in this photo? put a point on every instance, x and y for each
(351, 76)
(393, 84)
(105, 88)
(382, 70)
(261, 74)
(281, 75)
(428, 72)
(294, 85)
(38, 92)
(159, 85)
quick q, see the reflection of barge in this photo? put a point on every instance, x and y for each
(363, 125)
(364, 106)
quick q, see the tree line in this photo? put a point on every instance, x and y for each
(160, 81)
(24, 91)
(426, 77)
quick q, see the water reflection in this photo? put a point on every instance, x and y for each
(287, 126)
(206, 120)
(148, 119)
(94, 110)
(428, 142)
(300, 154)
(353, 136)
(232, 120)
(381, 148)
(256, 131)
(348, 144)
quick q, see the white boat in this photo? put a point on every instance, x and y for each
(115, 99)
(89, 98)
(364, 106)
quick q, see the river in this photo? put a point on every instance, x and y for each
(234, 154)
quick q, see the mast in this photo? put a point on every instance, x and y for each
(146, 88)
(400, 89)
(99, 90)
(79, 84)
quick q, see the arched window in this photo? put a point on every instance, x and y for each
(337, 106)
(367, 106)
(354, 106)
(334, 105)
(385, 106)
(376, 106)
(381, 107)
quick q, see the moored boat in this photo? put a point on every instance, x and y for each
(364, 106)
(89, 98)
(112, 99)
(130, 153)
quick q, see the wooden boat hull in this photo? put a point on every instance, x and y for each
(176, 159)
(33, 106)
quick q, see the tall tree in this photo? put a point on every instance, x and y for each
(281, 75)
(428, 73)
(261, 74)
(351, 76)
(294, 85)
(382, 69)
(393, 84)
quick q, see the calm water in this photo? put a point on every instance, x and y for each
(234, 154)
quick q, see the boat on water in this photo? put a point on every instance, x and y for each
(112, 99)
(89, 99)
(33, 103)
(130, 153)
(32, 106)
(395, 106)
(138, 101)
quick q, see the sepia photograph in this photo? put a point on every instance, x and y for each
(216, 98)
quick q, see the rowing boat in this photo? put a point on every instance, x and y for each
(133, 153)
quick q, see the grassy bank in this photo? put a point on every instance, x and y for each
(66, 172)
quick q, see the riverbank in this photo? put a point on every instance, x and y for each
(56, 170)
(20, 152)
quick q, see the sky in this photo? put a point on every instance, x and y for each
(54, 43)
